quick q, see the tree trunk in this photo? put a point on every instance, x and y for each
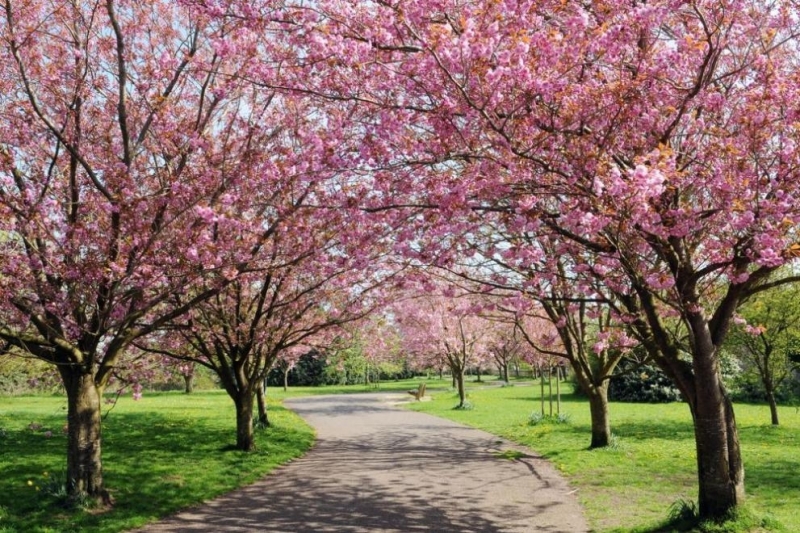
(550, 387)
(84, 465)
(719, 461)
(773, 408)
(479, 375)
(505, 372)
(286, 379)
(459, 377)
(261, 400)
(598, 408)
(245, 440)
(769, 389)
(188, 381)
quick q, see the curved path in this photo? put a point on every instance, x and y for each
(376, 467)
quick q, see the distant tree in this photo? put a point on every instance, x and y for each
(587, 336)
(507, 346)
(766, 337)
(241, 332)
(448, 329)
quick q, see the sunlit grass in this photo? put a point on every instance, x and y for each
(162, 453)
(442, 385)
(631, 485)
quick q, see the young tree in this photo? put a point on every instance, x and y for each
(768, 332)
(507, 346)
(443, 328)
(593, 346)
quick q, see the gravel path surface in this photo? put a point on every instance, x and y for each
(376, 467)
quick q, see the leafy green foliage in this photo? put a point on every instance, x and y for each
(20, 375)
(310, 371)
(766, 346)
(537, 418)
(643, 384)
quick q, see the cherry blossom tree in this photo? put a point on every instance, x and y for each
(136, 164)
(444, 328)
(656, 142)
(560, 316)
(593, 345)
(287, 361)
(506, 346)
(298, 297)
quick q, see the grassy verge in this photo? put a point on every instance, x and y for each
(433, 384)
(631, 485)
(162, 453)
(439, 385)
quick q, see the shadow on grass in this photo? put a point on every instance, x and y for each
(565, 397)
(154, 464)
(775, 473)
(654, 429)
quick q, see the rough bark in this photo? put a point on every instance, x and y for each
(598, 407)
(261, 401)
(84, 465)
(245, 440)
(594, 382)
(719, 460)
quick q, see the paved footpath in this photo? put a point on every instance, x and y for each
(376, 467)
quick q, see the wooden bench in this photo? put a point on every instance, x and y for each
(419, 392)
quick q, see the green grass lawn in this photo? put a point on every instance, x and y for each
(160, 454)
(631, 486)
